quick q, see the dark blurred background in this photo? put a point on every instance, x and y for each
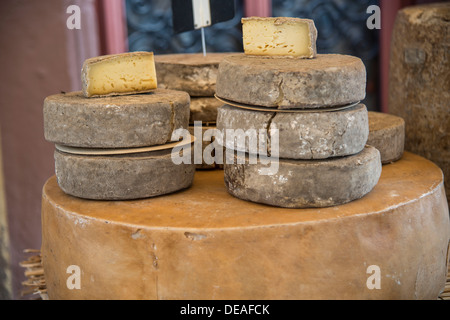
(341, 26)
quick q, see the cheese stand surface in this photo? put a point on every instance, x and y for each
(202, 243)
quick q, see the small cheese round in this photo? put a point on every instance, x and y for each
(303, 183)
(387, 134)
(121, 177)
(204, 109)
(287, 83)
(191, 72)
(296, 135)
(129, 121)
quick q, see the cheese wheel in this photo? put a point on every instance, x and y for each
(115, 122)
(191, 72)
(121, 177)
(205, 146)
(419, 84)
(303, 183)
(204, 109)
(387, 134)
(205, 244)
(308, 135)
(287, 83)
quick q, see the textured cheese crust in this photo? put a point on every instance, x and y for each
(120, 74)
(202, 243)
(279, 37)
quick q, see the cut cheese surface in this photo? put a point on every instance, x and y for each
(279, 37)
(119, 74)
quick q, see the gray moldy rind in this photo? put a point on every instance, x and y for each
(304, 183)
(419, 82)
(204, 109)
(288, 83)
(139, 120)
(301, 135)
(121, 177)
(194, 73)
(387, 134)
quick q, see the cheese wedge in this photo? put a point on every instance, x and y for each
(279, 37)
(120, 74)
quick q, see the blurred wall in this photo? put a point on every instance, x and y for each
(5, 271)
(39, 57)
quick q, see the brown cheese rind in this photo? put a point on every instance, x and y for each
(203, 243)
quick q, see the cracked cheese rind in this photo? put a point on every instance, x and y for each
(301, 135)
(279, 37)
(139, 120)
(119, 74)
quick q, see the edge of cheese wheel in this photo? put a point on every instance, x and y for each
(282, 36)
(119, 74)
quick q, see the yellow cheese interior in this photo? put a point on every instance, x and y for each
(266, 37)
(122, 74)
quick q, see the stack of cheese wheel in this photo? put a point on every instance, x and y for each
(195, 74)
(308, 105)
(114, 138)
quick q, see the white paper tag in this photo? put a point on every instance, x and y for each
(202, 13)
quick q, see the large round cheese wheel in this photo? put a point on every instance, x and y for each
(301, 135)
(203, 243)
(419, 81)
(121, 177)
(139, 120)
(191, 72)
(286, 83)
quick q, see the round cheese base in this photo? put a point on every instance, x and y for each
(288, 83)
(203, 243)
(121, 177)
